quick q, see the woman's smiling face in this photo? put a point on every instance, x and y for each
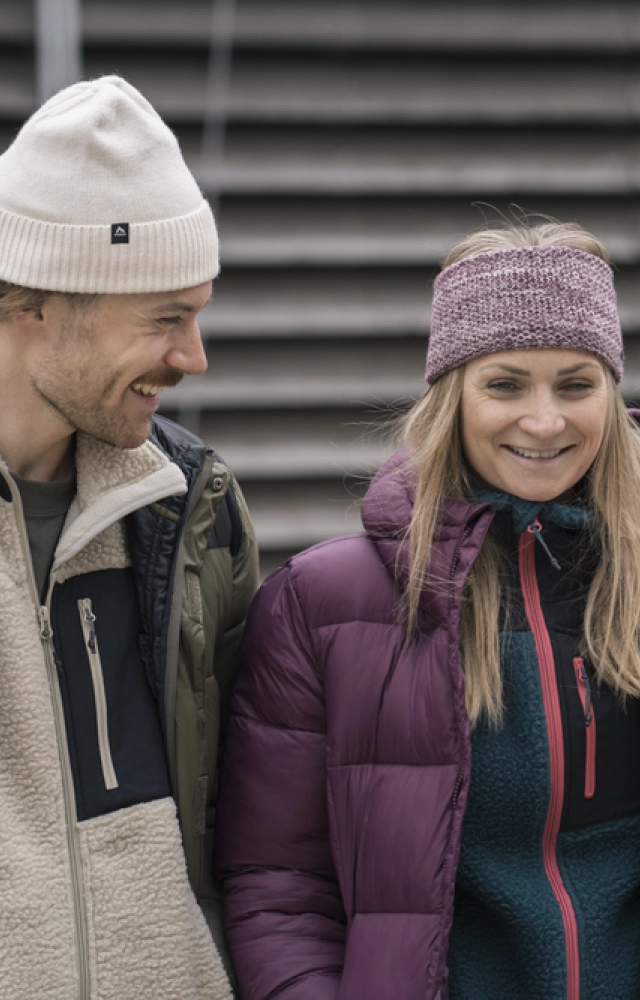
(533, 421)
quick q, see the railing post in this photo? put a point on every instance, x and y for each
(216, 104)
(214, 129)
(59, 45)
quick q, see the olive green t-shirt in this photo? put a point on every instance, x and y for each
(45, 507)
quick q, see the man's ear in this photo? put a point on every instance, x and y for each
(29, 322)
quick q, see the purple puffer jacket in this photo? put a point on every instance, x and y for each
(347, 766)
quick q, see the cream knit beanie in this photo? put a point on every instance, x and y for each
(96, 197)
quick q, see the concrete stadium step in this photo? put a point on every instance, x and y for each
(337, 25)
(283, 232)
(301, 513)
(375, 302)
(272, 559)
(388, 88)
(300, 444)
(630, 385)
(17, 86)
(479, 163)
(17, 23)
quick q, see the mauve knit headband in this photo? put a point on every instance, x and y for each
(523, 298)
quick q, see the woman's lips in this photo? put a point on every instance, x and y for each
(537, 454)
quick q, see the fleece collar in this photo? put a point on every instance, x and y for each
(113, 482)
(525, 512)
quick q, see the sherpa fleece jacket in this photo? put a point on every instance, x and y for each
(109, 715)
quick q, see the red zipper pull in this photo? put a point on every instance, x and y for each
(584, 690)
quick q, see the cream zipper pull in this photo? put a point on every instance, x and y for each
(46, 632)
(90, 619)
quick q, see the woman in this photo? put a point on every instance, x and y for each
(475, 656)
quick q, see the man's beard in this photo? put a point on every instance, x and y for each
(85, 411)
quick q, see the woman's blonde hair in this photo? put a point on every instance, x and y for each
(431, 432)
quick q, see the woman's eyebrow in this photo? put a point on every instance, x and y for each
(576, 368)
(506, 368)
(523, 371)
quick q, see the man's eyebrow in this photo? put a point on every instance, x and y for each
(177, 305)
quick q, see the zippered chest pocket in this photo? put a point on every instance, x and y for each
(584, 691)
(88, 624)
(602, 736)
(112, 719)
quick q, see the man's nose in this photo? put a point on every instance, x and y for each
(188, 353)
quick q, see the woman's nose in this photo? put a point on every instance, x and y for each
(543, 420)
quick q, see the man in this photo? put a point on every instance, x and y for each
(127, 562)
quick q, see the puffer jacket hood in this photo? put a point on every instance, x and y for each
(386, 513)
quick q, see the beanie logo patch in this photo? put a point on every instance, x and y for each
(120, 232)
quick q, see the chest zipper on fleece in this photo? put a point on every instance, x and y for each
(88, 623)
(551, 701)
(584, 690)
(75, 862)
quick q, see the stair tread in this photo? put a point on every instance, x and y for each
(301, 515)
(17, 23)
(481, 163)
(614, 26)
(17, 88)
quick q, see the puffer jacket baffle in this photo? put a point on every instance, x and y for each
(347, 767)
(110, 699)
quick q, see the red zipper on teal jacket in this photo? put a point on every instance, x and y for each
(551, 701)
(582, 681)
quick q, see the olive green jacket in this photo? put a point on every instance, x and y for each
(215, 574)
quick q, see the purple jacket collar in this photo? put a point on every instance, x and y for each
(386, 515)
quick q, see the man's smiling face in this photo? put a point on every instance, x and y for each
(533, 421)
(101, 368)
